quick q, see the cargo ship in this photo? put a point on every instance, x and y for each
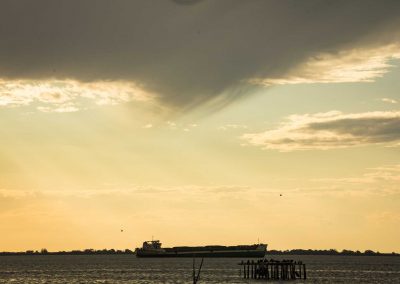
(154, 249)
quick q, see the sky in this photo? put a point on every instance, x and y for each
(199, 122)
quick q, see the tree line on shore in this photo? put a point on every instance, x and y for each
(270, 252)
(72, 252)
(330, 252)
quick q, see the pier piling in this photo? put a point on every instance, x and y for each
(273, 269)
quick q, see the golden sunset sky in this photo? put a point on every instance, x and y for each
(198, 123)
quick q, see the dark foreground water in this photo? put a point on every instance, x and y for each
(129, 269)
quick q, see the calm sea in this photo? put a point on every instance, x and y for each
(129, 269)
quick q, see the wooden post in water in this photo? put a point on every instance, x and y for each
(272, 271)
(293, 270)
(300, 271)
(194, 271)
(283, 271)
(285, 274)
(198, 273)
(196, 278)
(304, 272)
(277, 270)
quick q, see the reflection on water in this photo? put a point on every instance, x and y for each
(129, 269)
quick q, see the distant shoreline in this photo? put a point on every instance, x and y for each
(270, 252)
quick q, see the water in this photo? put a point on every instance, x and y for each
(129, 269)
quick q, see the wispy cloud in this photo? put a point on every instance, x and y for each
(346, 66)
(329, 130)
(184, 127)
(127, 190)
(374, 181)
(233, 126)
(62, 108)
(147, 126)
(67, 95)
(390, 101)
(374, 175)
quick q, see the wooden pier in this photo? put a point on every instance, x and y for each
(273, 269)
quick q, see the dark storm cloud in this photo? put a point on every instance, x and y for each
(330, 130)
(185, 53)
(371, 129)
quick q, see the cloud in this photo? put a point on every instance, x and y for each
(389, 174)
(171, 125)
(347, 66)
(127, 190)
(375, 181)
(390, 101)
(149, 125)
(329, 130)
(191, 54)
(232, 126)
(184, 127)
(64, 108)
(67, 95)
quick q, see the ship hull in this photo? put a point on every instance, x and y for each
(205, 254)
(202, 253)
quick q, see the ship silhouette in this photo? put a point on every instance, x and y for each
(153, 249)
